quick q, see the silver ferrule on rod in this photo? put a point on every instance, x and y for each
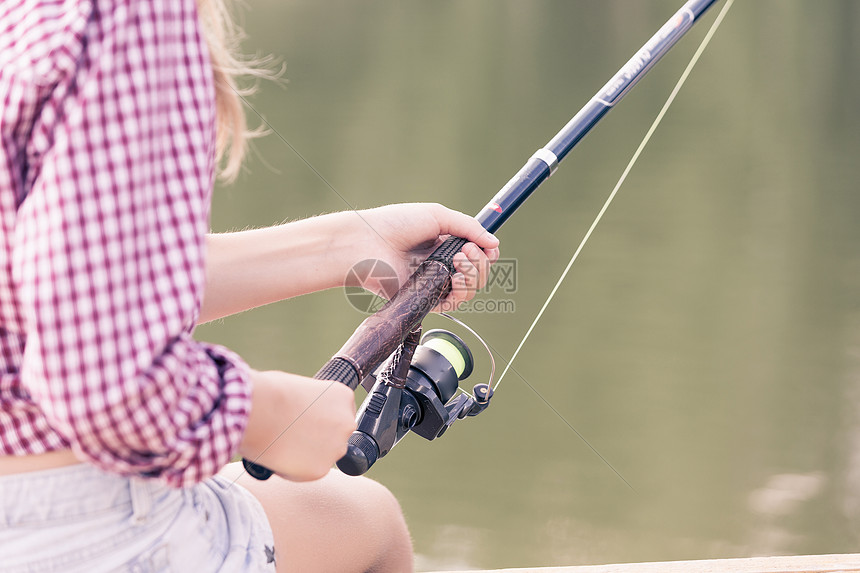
(547, 157)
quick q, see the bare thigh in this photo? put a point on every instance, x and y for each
(339, 523)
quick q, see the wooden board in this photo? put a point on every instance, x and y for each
(792, 564)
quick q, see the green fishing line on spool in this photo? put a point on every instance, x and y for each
(452, 348)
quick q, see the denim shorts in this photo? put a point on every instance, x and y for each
(78, 518)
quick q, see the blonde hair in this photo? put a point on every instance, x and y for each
(223, 37)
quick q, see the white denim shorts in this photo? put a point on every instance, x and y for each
(78, 518)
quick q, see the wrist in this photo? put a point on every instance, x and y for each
(265, 404)
(353, 239)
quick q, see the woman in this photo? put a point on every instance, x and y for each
(114, 421)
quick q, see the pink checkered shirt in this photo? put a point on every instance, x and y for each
(106, 170)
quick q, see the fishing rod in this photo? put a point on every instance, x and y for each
(413, 390)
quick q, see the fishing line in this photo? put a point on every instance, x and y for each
(483, 343)
(630, 164)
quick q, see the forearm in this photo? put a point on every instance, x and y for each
(298, 426)
(248, 269)
(252, 268)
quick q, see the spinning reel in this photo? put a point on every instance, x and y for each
(414, 390)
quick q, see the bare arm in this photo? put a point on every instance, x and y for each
(298, 426)
(252, 268)
(248, 269)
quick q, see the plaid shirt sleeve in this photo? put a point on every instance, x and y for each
(109, 250)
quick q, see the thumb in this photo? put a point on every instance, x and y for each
(461, 225)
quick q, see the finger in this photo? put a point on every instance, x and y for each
(455, 297)
(472, 272)
(459, 289)
(461, 225)
(467, 277)
(479, 272)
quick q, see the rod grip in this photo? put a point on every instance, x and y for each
(381, 333)
(445, 252)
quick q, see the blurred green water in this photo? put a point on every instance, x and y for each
(706, 344)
